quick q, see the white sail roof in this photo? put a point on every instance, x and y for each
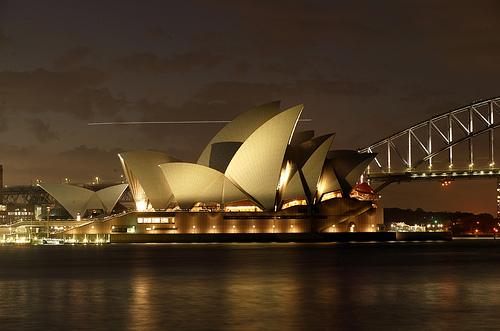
(348, 166)
(232, 193)
(192, 183)
(294, 188)
(77, 200)
(314, 165)
(73, 198)
(312, 154)
(145, 177)
(109, 196)
(237, 131)
(94, 203)
(257, 165)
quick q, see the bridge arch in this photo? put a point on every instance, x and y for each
(411, 153)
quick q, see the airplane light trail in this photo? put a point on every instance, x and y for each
(172, 122)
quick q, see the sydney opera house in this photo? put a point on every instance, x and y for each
(256, 175)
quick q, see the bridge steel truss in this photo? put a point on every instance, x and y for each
(409, 154)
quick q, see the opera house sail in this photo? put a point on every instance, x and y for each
(256, 175)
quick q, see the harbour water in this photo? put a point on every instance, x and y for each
(351, 286)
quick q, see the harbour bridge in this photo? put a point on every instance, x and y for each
(458, 144)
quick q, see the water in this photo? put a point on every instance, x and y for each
(373, 286)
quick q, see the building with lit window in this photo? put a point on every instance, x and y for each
(256, 175)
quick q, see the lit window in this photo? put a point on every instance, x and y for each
(331, 195)
(242, 209)
(298, 202)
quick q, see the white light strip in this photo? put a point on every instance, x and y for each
(172, 122)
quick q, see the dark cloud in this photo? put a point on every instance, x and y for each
(463, 43)
(83, 152)
(177, 64)
(288, 26)
(81, 164)
(72, 57)
(157, 32)
(247, 93)
(4, 40)
(42, 130)
(92, 161)
(363, 69)
(19, 166)
(282, 68)
(418, 93)
(339, 87)
(79, 92)
(93, 101)
(4, 125)
(241, 68)
(410, 39)
(238, 93)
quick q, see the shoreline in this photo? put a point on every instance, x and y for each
(265, 237)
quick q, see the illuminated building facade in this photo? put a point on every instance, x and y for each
(257, 175)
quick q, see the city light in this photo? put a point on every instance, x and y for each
(285, 173)
(141, 205)
(446, 183)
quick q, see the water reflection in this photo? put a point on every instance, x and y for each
(238, 287)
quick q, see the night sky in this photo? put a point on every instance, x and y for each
(363, 70)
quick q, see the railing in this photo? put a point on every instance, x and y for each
(409, 150)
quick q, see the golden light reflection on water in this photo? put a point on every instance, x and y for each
(239, 287)
(141, 312)
(247, 293)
